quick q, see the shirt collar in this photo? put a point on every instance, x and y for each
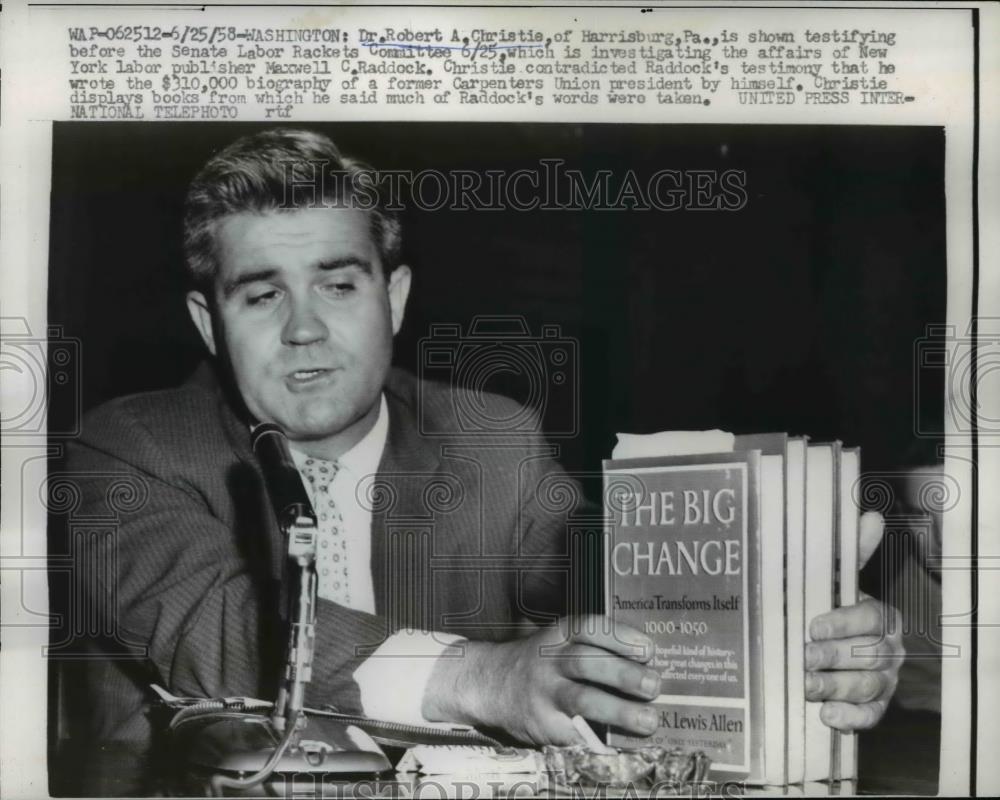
(362, 459)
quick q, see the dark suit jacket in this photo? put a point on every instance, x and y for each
(466, 539)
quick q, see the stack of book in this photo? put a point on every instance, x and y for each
(722, 548)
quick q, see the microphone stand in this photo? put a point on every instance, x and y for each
(301, 533)
(297, 522)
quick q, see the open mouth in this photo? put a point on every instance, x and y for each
(309, 377)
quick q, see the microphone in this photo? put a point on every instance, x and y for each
(281, 476)
(297, 521)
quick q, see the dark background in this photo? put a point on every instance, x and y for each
(799, 312)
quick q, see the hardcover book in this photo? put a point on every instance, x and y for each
(722, 548)
(684, 567)
(795, 621)
(847, 579)
(822, 511)
(773, 593)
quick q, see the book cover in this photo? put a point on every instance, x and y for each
(683, 566)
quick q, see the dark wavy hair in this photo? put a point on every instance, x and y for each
(280, 170)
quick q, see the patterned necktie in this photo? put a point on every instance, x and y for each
(331, 556)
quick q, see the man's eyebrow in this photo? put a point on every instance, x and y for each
(345, 263)
(233, 284)
(230, 286)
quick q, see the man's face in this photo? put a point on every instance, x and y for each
(306, 317)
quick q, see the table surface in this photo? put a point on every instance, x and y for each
(899, 757)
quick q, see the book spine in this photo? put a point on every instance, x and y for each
(772, 593)
(822, 511)
(850, 473)
(795, 608)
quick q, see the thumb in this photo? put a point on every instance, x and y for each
(869, 536)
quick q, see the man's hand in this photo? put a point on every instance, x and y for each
(532, 687)
(853, 662)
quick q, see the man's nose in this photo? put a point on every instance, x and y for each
(304, 325)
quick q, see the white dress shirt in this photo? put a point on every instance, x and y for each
(393, 679)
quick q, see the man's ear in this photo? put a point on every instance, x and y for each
(399, 290)
(201, 316)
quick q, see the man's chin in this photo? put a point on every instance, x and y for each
(316, 430)
(317, 420)
(307, 424)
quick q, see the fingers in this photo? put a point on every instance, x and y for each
(855, 653)
(594, 665)
(867, 618)
(598, 706)
(850, 717)
(870, 529)
(610, 635)
(857, 687)
(561, 733)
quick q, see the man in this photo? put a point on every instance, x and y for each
(297, 293)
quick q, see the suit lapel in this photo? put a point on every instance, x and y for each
(408, 463)
(253, 515)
